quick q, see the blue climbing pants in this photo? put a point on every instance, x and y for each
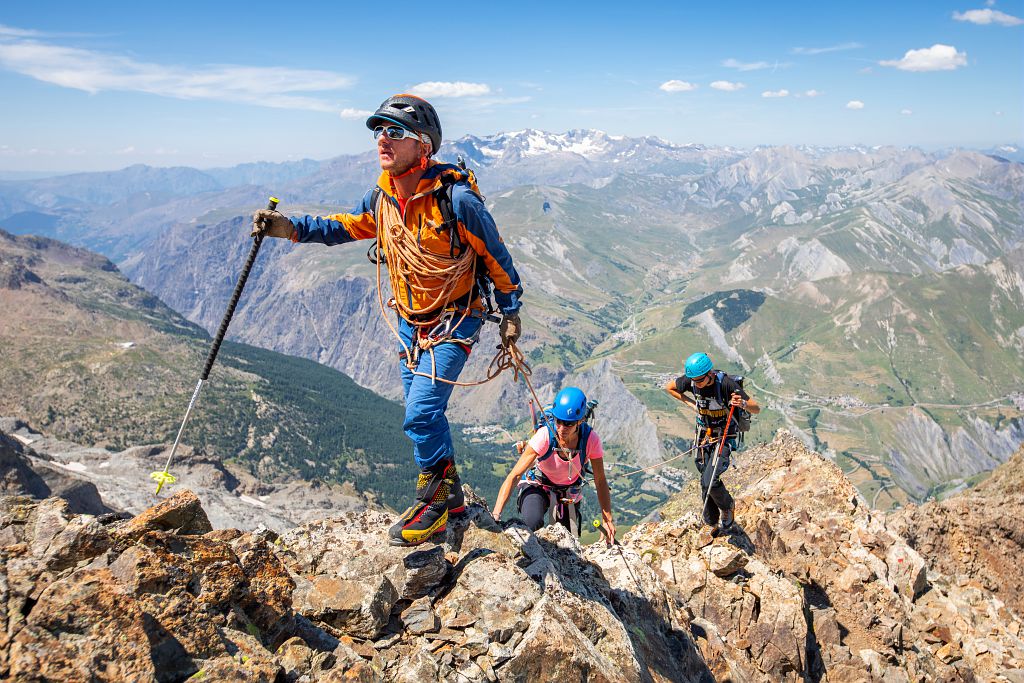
(427, 401)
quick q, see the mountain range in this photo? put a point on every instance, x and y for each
(873, 295)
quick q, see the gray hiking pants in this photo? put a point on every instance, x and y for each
(719, 499)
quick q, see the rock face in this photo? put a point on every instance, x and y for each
(976, 536)
(830, 588)
(24, 473)
(811, 586)
(38, 466)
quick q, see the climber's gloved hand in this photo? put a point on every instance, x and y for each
(510, 328)
(271, 224)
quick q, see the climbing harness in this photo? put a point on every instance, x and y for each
(419, 270)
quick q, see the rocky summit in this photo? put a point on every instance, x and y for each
(812, 585)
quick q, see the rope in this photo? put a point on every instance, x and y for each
(664, 462)
(409, 262)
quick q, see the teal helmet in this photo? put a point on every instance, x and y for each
(570, 405)
(698, 365)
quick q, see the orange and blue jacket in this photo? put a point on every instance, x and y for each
(421, 215)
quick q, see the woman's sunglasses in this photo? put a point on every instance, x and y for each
(565, 423)
(394, 133)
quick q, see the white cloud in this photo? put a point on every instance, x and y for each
(813, 93)
(823, 50)
(854, 104)
(745, 66)
(96, 72)
(775, 93)
(349, 113)
(12, 32)
(938, 57)
(988, 16)
(450, 89)
(906, 112)
(677, 86)
(727, 86)
(130, 149)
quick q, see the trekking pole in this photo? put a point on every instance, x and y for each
(165, 477)
(714, 464)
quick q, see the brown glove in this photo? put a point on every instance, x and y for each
(510, 328)
(271, 224)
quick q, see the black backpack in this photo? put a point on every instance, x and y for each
(742, 416)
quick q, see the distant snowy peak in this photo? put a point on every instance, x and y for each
(593, 145)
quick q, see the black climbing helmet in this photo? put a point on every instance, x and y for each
(411, 112)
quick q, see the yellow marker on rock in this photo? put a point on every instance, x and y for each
(162, 478)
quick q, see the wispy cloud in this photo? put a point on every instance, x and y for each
(822, 50)
(728, 86)
(854, 104)
(349, 113)
(12, 32)
(938, 57)
(775, 93)
(906, 112)
(677, 86)
(746, 66)
(988, 16)
(450, 89)
(813, 93)
(96, 72)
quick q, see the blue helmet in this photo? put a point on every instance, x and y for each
(570, 405)
(698, 365)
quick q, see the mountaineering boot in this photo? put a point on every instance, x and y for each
(728, 517)
(429, 514)
(456, 498)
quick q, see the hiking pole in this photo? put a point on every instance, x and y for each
(714, 464)
(165, 477)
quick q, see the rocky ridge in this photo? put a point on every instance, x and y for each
(813, 586)
(97, 481)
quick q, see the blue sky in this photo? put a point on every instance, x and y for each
(203, 84)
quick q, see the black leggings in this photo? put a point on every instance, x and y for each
(533, 504)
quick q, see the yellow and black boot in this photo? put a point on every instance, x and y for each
(429, 514)
(456, 498)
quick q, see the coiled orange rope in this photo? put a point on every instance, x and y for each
(408, 262)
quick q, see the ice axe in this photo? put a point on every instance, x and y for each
(165, 477)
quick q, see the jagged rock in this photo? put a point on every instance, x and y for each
(977, 533)
(295, 658)
(248, 661)
(420, 618)
(420, 666)
(497, 592)
(723, 560)
(182, 513)
(359, 608)
(554, 649)
(809, 586)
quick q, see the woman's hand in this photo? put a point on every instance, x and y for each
(608, 527)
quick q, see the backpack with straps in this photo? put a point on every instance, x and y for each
(740, 417)
(450, 222)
